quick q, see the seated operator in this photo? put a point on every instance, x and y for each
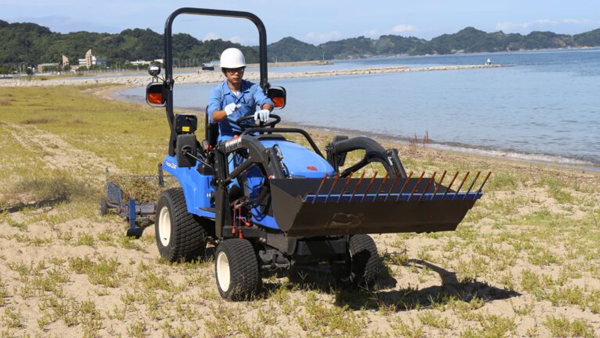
(236, 98)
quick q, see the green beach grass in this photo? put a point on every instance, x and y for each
(524, 263)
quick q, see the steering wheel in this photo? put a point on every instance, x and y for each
(244, 123)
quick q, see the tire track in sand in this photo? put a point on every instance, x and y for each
(60, 154)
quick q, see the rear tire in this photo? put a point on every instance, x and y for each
(364, 258)
(236, 269)
(179, 235)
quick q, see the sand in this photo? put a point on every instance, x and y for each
(212, 77)
(524, 263)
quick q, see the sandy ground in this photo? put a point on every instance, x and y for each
(67, 272)
(210, 77)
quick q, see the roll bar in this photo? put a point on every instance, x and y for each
(169, 82)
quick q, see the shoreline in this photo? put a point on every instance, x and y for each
(215, 76)
(549, 160)
(546, 160)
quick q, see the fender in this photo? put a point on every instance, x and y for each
(196, 187)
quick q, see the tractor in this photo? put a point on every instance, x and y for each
(293, 205)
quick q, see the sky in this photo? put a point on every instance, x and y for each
(312, 21)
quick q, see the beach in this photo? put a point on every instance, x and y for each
(525, 261)
(216, 76)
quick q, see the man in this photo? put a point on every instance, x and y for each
(235, 97)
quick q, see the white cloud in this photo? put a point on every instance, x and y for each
(574, 21)
(510, 26)
(211, 36)
(371, 32)
(403, 28)
(581, 22)
(236, 39)
(544, 21)
(322, 37)
(519, 26)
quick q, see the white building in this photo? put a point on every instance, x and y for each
(140, 62)
(91, 60)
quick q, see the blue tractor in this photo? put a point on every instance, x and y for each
(291, 206)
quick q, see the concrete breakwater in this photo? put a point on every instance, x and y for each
(212, 77)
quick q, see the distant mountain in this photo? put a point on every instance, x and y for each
(471, 40)
(395, 44)
(591, 38)
(289, 49)
(34, 44)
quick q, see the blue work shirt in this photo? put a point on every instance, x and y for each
(250, 96)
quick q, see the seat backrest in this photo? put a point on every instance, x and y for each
(211, 130)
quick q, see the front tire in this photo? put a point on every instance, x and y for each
(364, 261)
(236, 269)
(179, 235)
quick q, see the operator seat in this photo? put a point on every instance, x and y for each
(211, 130)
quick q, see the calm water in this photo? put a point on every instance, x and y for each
(545, 107)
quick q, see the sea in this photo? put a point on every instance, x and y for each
(543, 107)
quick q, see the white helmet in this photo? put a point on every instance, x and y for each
(232, 58)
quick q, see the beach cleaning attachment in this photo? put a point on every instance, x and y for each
(338, 206)
(343, 205)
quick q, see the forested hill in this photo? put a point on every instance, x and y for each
(34, 44)
(471, 40)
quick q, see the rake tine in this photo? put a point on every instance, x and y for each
(393, 185)
(319, 190)
(381, 186)
(450, 186)
(438, 186)
(345, 185)
(369, 187)
(484, 182)
(472, 184)
(415, 188)
(428, 184)
(460, 186)
(337, 177)
(404, 186)
(357, 185)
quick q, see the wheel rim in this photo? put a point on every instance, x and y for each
(164, 226)
(223, 274)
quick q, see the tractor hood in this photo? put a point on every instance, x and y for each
(300, 161)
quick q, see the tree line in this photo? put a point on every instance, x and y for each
(32, 44)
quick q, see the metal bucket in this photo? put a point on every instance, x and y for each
(319, 207)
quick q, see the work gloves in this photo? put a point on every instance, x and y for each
(262, 115)
(231, 108)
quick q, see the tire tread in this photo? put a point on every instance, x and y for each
(366, 267)
(243, 266)
(189, 242)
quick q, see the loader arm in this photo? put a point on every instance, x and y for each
(264, 158)
(374, 152)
